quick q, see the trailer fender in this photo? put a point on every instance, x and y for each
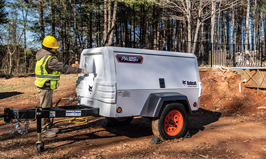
(155, 103)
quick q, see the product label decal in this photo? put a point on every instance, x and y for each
(52, 114)
(129, 58)
(73, 113)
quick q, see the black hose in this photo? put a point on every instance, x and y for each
(58, 102)
(2, 115)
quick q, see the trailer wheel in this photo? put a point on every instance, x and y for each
(40, 147)
(172, 122)
(119, 121)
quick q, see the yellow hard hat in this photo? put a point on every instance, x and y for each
(50, 42)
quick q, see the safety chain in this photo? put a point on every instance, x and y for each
(18, 127)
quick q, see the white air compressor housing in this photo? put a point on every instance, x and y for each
(137, 80)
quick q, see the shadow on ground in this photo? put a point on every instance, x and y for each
(139, 127)
(9, 77)
(8, 94)
(94, 132)
(200, 119)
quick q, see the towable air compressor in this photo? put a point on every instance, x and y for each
(123, 83)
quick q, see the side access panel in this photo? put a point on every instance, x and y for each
(155, 101)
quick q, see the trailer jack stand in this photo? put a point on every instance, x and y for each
(40, 144)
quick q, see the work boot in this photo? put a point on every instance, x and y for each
(48, 134)
(54, 130)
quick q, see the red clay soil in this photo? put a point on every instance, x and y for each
(221, 93)
(228, 125)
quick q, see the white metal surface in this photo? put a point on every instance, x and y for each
(116, 84)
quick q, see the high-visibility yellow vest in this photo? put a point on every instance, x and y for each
(42, 75)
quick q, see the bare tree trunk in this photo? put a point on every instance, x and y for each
(201, 44)
(111, 30)
(239, 32)
(134, 27)
(196, 36)
(197, 30)
(41, 19)
(223, 31)
(121, 35)
(260, 28)
(80, 35)
(252, 35)
(68, 24)
(105, 21)
(89, 27)
(188, 2)
(53, 17)
(89, 30)
(124, 35)
(25, 40)
(164, 37)
(264, 17)
(177, 36)
(182, 37)
(173, 36)
(126, 32)
(153, 28)
(247, 26)
(99, 43)
(130, 33)
(218, 28)
(257, 26)
(213, 20)
(168, 35)
(109, 17)
(117, 35)
(63, 2)
(233, 25)
(75, 33)
(61, 29)
(143, 26)
(227, 29)
(11, 53)
(158, 30)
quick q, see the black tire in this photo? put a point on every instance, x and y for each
(119, 121)
(174, 128)
(40, 147)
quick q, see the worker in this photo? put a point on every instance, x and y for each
(47, 72)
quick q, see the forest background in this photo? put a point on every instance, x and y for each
(171, 25)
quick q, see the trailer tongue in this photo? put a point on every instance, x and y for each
(15, 116)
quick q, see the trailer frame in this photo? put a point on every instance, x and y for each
(53, 112)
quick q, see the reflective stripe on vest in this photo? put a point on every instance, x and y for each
(42, 75)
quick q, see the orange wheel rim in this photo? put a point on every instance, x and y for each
(173, 123)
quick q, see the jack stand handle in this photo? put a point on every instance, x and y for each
(39, 120)
(40, 145)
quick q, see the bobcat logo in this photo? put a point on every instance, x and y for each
(184, 82)
(90, 88)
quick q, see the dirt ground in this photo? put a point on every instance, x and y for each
(228, 125)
